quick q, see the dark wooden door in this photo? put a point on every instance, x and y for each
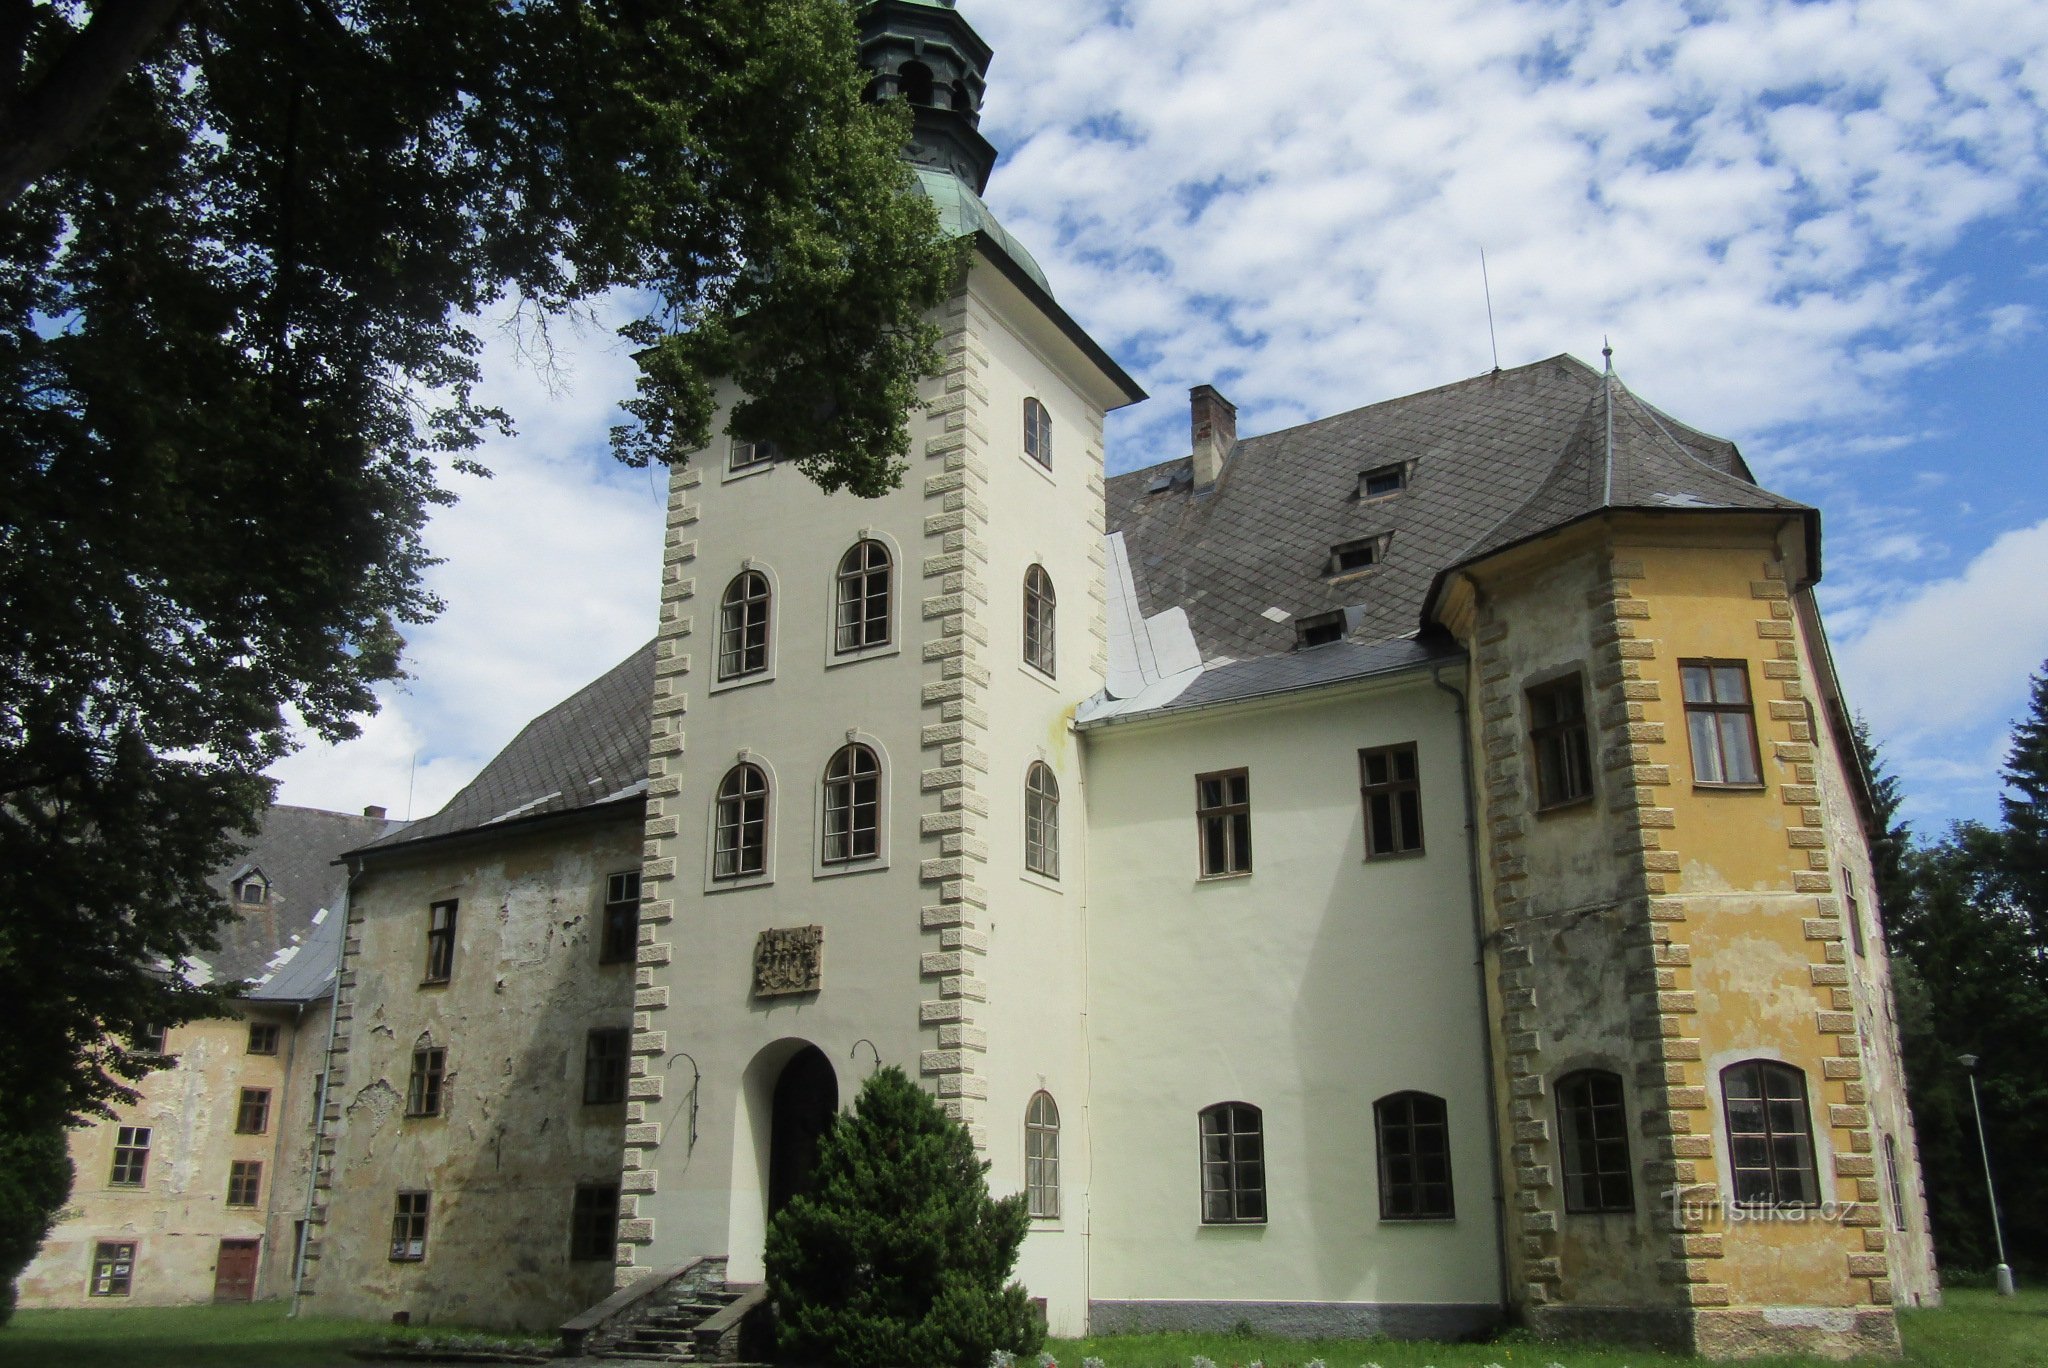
(806, 1100)
(234, 1272)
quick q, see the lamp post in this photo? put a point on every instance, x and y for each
(1969, 1063)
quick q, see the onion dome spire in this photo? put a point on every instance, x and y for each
(923, 52)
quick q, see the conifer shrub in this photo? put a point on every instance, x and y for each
(898, 1256)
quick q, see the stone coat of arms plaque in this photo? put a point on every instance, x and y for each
(789, 959)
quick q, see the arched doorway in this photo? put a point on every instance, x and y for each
(806, 1099)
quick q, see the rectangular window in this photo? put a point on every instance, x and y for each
(1392, 786)
(605, 1053)
(423, 1089)
(440, 941)
(150, 1040)
(1723, 727)
(113, 1268)
(253, 1116)
(131, 1157)
(409, 1227)
(752, 455)
(621, 919)
(1415, 1157)
(1557, 731)
(1770, 1134)
(1223, 816)
(1854, 912)
(263, 1037)
(245, 1182)
(1233, 1164)
(594, 1223)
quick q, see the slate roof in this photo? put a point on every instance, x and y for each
(589, 749)
(1491, 461)
(263, 944)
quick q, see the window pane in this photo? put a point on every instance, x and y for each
(1706, 748)
(1737, 749)
(1698, 688)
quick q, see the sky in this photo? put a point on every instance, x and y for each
(1815, 228)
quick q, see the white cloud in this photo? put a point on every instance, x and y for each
(1942, 671)
(550, 575)
(1288, 198)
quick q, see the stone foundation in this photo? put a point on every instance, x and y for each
(1843, 1332)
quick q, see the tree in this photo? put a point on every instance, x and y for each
(35, 1177)
(242, 247)
(1970, 955)
(898, 1254)
(2022, 860)
(1892, 839)
(241, 251)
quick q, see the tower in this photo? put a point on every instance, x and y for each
(855, 849)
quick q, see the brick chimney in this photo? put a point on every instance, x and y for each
(374, 811)
(1212, 420)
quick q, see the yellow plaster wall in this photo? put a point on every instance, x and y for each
(1680, 928)
(179, 1215)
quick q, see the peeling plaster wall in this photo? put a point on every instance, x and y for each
(503, 1159)
(179, 1215)
(1714, 935)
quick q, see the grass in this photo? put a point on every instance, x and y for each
(1974, 1329)
(252, 1335)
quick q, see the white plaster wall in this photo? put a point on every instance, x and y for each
(707, 1193)
(1036, 962)
(1310, 988)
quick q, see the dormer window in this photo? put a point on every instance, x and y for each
(1320, 630)
(1350, 557)
(1381, 481)
(252, 891)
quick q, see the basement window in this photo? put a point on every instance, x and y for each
(1381, 481)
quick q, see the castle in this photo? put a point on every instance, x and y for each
(1383, 876)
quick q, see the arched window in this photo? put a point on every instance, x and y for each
(1415, 1157)
(1038, 433)
(739, 846)
(1039, 601)
(1592, 1128)
(853, 806)
(963, 100)
(863, 617)
(1041, 821)
(1770, 1136)
(743, 626)
(917, 82)
(1233, 1164)
(1042, 1155)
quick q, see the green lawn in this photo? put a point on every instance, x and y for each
(255, 1335)
(1975, 1329)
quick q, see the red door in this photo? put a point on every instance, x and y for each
(234, 1273)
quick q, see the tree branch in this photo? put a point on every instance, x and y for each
(48, 122)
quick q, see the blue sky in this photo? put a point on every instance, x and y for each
(1814, 228)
